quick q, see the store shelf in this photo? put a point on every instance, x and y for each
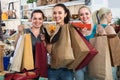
(27, 21)
(15, 1)
(11, 20)
(24, 20)
(50, 6)
(70, 3)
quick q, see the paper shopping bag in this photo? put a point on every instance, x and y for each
(62, 53)
(79, 47)
(41, 59)
(93, 51)
(18, 55)
(114, 44)
(27, 61)
(1, 57)
(110, 31)
(100, 66)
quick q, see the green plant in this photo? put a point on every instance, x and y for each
(117, 21)
(31, 1)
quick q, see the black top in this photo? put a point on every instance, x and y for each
(54, 39)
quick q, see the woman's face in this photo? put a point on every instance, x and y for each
(85, 15)
(109, 17)
(59, 15)
(37, 20)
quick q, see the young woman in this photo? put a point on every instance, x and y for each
(36, 29)
(61, 16)
(37, 35)
(103, 17)
(85, 14)
(37, 18)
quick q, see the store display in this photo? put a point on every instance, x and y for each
(61, 1)
(74, 16)
(11, 12)
(41, 2)
(51, 1)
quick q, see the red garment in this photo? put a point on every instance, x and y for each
(91, 54)
(41, 59)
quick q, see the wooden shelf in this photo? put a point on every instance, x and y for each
(70, 3)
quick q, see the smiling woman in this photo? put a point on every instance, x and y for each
(34, 38)
(57, 69)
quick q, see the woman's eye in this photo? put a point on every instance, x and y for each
(54, 12)
(81, 14)
(87, 13)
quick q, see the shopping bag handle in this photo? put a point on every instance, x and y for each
(11, 3)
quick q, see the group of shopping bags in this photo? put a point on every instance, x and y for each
(71, 50)
(23, 56)
(107, 45)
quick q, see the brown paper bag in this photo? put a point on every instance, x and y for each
(28, 62)
(80, 48)
(100, 66)
(118, 34)
(114, 44)
(62, 53)
(1, 57)
(110, 30)
(17, 59)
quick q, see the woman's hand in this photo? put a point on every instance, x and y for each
(84, 31)
(20, 28)
(49, 47)
(100, 30)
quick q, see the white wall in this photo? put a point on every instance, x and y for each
(97, 4)
(114, 5)
(23, 2)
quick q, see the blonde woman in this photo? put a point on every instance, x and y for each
(85, 14)
(103, 17)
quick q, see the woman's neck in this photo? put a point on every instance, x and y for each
(35, 31)
(103, 21)
(35, 28)
(61, 24)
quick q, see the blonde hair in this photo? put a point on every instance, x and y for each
(99, 15)
(83, 6)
